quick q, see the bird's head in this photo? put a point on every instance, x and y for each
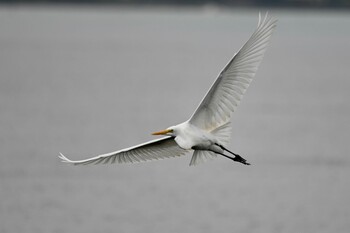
(169, 132)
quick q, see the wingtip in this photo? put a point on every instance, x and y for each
(64, 159)
(263, 19)
(267, 20)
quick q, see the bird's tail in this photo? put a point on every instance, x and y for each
(201, 156)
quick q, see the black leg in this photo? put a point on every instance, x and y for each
(237, 157)
(229, 157)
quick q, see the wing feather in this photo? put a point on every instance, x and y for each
(153, 150)
(225, 94)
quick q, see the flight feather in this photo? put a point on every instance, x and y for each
(153, 150)
(225, 94)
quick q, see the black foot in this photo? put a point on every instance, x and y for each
(240, 160)
(237, 158)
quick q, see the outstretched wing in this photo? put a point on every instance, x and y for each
(227, 91)
(153, 150)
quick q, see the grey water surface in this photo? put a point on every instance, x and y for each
(85, 81)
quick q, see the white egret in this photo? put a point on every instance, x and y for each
(208, 130)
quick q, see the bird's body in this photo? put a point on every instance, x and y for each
(208, 130)
(188, 136)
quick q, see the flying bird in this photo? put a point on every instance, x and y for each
(207, 132)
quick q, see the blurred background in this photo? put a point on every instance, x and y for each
(222, 3)
(85, 79)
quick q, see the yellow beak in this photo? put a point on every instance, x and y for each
(162, 132)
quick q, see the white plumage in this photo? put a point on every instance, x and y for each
(208, 130)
